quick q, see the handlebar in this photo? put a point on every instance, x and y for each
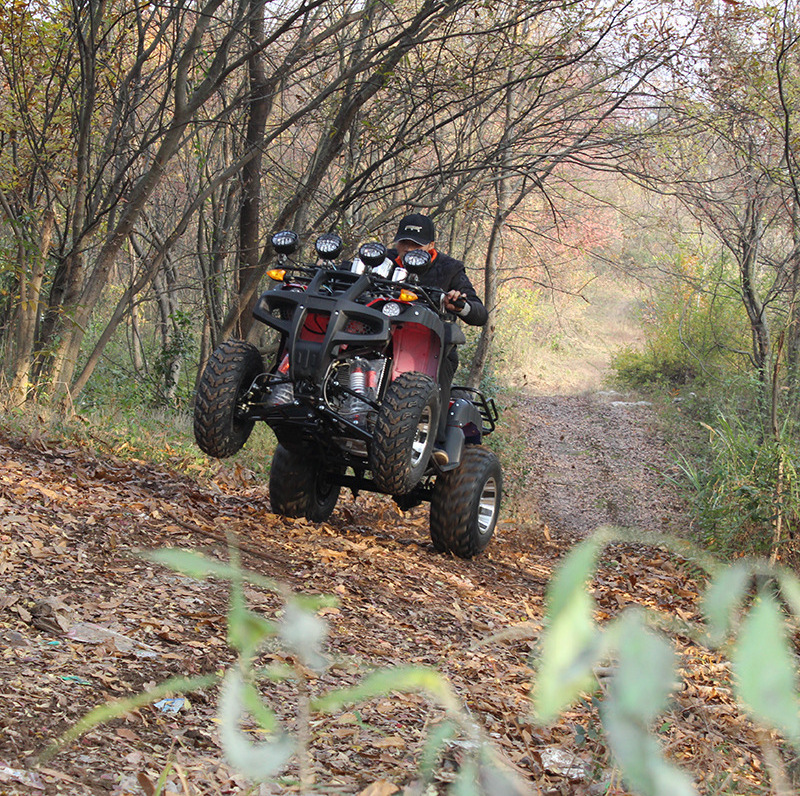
(431, 295)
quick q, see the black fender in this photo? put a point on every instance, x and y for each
(464, 414)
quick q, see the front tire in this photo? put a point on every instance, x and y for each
(405, 431)
(220, 426)
(300, 486)
(465, 503)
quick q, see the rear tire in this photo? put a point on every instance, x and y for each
(405, 431)
(299, 485)
(465, 503)
(220, 426)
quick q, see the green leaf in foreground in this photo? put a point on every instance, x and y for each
(437, 739)
(119, 707)
(467, 779)
(790, 590)
(304, 633)
(405, 679)
(246, 629)
(571, 642)
(643, 681)
(766, 669)
(196, 565)
(645, 674)
(639, 756)
(722, 598)
(257, 761)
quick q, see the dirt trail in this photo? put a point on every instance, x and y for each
(599, 459)
(70, 522)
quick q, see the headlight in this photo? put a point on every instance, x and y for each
(329, 246)
(285, 242)
(391, 309)
(417, 261)
(372, 254)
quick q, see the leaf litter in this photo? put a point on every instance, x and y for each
(84, 621)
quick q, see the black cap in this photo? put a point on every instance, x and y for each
(416, 227)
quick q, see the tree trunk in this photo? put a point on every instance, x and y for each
(502, 209)
(752, 232)
(137, 349)
(490, 300)
(30, 288)
(259, 105)
(79, 311)
(171, 333)
(217, 242)
(147, 275)
(428, 18)
(793, 326)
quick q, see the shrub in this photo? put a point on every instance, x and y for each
(743, 486)
(253, 738)
(640, 369)
(691, 324)
(750, 627)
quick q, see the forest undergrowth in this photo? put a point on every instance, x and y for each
(84, 620)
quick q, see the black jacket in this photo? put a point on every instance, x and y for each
(448, 273)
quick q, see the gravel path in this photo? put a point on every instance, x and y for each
(599, 459)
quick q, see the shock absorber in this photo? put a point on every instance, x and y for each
(358, 376)
(282, 393)
(375, 377)
(372, 382)
(359, 383)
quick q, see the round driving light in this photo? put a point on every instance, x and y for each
(329, 246)
(285, 242)
(417, 261)
(391, 309)
(372, 254)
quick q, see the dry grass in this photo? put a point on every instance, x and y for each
(569, 349)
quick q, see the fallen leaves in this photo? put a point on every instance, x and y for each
(380, 788)
(82, 620)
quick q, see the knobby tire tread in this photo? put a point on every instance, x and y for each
(395, 428)
(453, 514)
(229, 370)
(293, 483)
(289, 485)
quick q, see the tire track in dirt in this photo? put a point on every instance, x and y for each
(599, 459)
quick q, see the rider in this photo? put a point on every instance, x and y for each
(416, 231)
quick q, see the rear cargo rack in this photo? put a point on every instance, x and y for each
(486, 407)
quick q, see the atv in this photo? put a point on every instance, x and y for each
(352, 395)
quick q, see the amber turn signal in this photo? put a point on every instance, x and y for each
(407, 295)
(277, 274)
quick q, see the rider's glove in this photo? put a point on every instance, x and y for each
(461, 303)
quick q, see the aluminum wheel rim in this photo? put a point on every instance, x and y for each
(421, 437)
(487, 507)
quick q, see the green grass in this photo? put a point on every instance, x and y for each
(162, 436)
(508, 442)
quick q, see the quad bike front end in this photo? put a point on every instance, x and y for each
(352, 397)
